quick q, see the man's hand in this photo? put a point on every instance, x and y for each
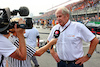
(19, 31)
(55, 55)
(82, 60)
(92, 47)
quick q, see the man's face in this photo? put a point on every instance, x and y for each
(62, 19)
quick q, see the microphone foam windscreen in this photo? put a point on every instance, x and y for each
(23, 11)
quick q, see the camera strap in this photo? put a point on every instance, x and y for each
(1, 63)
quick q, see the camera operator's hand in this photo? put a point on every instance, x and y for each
(19, 31)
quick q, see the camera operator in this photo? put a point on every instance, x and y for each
(8, 49)
(30, 51)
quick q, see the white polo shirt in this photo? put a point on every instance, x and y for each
(6, 48)
(69, 45)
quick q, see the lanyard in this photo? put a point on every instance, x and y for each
(65, 28)
(57, 33)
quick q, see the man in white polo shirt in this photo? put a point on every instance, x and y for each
(69, 44)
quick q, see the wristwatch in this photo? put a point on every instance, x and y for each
(89, 55)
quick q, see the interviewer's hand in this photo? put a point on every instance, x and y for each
(54, 40)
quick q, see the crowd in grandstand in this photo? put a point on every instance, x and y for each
(83, 6)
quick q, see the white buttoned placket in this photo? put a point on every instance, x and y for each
(62, 29)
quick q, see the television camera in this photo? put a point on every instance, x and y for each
(6, 24)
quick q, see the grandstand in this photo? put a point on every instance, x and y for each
(79, 11)
(87, 9)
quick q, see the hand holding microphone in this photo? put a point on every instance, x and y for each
(56, 35)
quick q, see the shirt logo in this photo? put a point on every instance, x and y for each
(71, 35)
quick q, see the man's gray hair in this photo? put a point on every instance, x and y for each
(64, 10)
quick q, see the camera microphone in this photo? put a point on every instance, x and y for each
(23, 11)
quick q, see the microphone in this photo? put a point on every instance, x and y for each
(23, 11)
(56, 35)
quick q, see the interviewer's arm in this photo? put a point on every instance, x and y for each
(40, 51)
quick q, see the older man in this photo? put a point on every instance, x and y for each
(69, 45)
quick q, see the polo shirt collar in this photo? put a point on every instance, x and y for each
(66, 24)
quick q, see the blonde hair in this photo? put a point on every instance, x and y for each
(14, 19)
(17, 20)
(64, 10)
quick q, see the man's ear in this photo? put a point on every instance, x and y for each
(67, 16)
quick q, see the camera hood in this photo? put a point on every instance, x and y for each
(29, 23)
(4, 19)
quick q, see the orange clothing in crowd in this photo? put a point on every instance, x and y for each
(42, 22)
(53, 22)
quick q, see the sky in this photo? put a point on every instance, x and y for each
(34, 6)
